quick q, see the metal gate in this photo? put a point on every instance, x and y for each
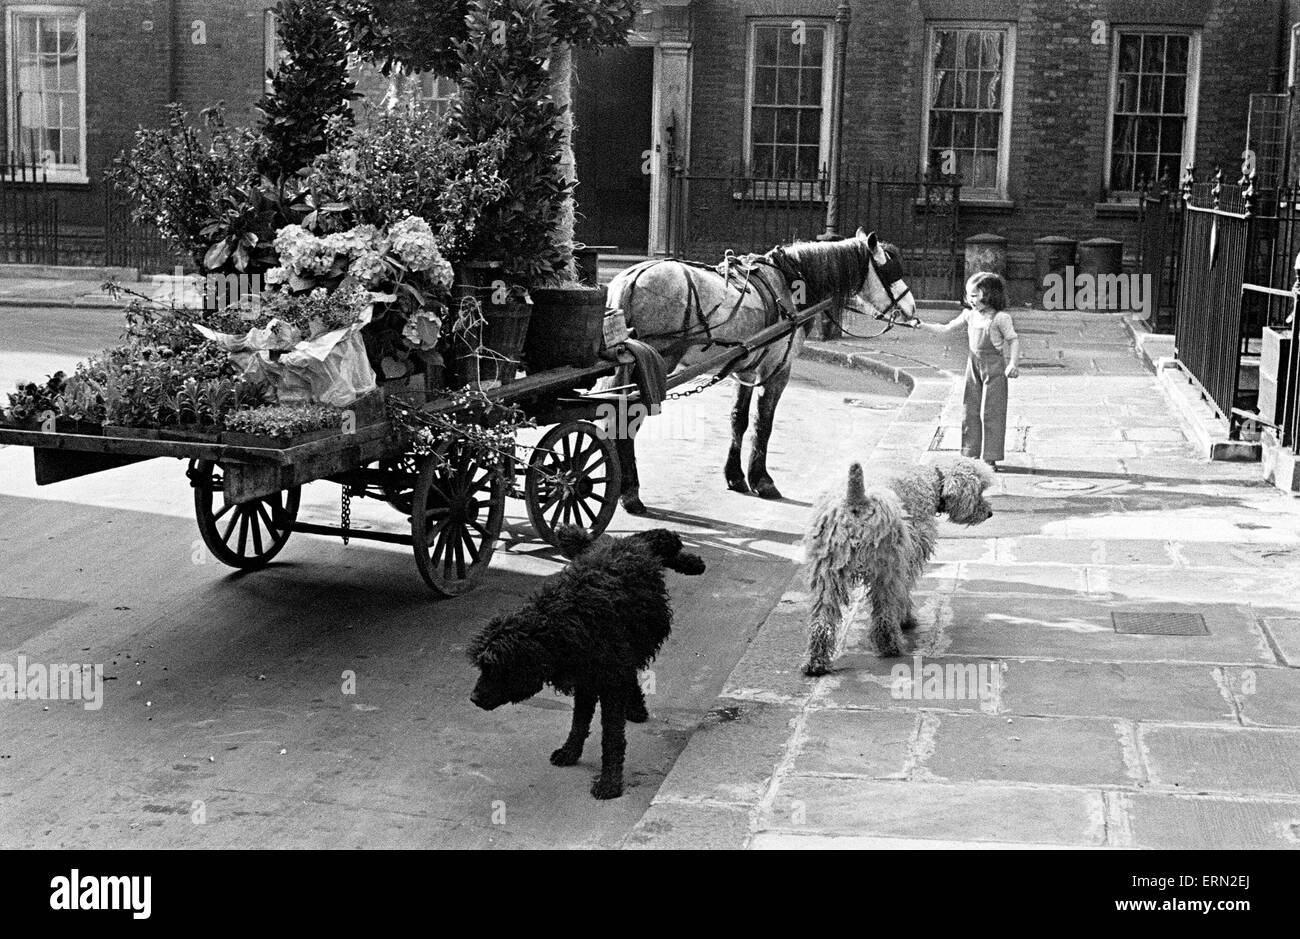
(1209, 334)
(1160, 229)
(709, 215)
(29, 214)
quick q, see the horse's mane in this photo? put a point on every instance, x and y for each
(835, 269)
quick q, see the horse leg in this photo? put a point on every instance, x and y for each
(630, 490)
(769, 395)
(739, 424)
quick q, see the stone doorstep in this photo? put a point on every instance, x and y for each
(1208, 433)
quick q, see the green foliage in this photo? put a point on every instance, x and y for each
(406, 161)
(311, 89)
(30, 399)
(504, 88)
(284, 420)
(421, 35)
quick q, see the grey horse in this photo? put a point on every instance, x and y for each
(689, 312)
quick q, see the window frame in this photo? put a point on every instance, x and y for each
(794, 189)
(54, 172)
(969, 193)
(1191, 91)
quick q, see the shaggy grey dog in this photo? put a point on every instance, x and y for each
(881, 538)
(586, 632)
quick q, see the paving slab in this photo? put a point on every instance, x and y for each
(819, 804)
(1284, 633)
(1177, 823)
(866, 681)
(673, 826)
(876, 744)
(1265, 697)
(1128, 690)
(1065, 751)
(1208, 759)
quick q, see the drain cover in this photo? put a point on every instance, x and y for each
(1066, 485)
(1160, 624)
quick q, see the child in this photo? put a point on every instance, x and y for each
(994, 357)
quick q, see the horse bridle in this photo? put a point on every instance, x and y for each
(889, 273)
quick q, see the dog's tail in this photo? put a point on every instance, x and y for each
(573, 540)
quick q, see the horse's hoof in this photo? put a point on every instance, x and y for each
(737, 485)
(766, 490)
(634, 506)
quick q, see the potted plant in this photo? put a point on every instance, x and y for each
(281, 426)
(34, 406)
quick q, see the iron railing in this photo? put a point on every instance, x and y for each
(710, 214)
(128, 243)
(29, 213)
(1160, 231)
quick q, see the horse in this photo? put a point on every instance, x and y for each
(684, 310)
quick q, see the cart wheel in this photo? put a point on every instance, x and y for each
(398, 482)
(246, 535)
(573, 479)
(457, 508)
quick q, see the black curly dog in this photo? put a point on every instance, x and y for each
(586, 633)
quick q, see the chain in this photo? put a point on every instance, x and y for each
(702, 386)
(346, 512)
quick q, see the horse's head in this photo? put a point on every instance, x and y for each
(884, 291)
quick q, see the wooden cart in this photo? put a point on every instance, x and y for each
(246, 498)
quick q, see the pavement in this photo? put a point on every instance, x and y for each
(38, 292)
(1117, 649)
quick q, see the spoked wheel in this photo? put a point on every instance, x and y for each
(457, 509)
(573, 479)
(397, 482)
(246, 535)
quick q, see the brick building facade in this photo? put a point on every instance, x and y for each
(1049, 110)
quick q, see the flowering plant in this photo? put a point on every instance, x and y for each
(284, 420)
(29, 400)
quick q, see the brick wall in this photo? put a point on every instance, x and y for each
(1061, 91)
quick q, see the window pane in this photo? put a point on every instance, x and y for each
(945, 49)
(1171, 135)
(765, 86)
(810, 127)
(1149, 96)
(1126, 93)
(940, 129)
(1148, 134)
(1175, 95)
(963, 130)
(787, 86)
(1144, 169)
(1171, 169)
(1130, 53)
(1176, 54)
(766, 40)
(968, 90)
(991, 52)
(763, 123)
(763, 165)
(787, 125)
(944, 90)
(970, 49)
(988, 130)
(786, 164)
(986, 169)
(814, 47)
(1123, 133)
(990, 90)
(1121, 172)
(808, 162)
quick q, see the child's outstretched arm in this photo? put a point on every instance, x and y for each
(942, 327)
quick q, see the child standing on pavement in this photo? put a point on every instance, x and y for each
(994, 357)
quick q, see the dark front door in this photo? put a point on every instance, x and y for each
(611, 110)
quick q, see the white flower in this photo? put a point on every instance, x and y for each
(277, 275)
(368, 267)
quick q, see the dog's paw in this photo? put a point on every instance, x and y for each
(604, 788)
(911, 623)
(813, 669)
(636, 713)
(565, 757)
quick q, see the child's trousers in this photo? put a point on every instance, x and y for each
(984, 428)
